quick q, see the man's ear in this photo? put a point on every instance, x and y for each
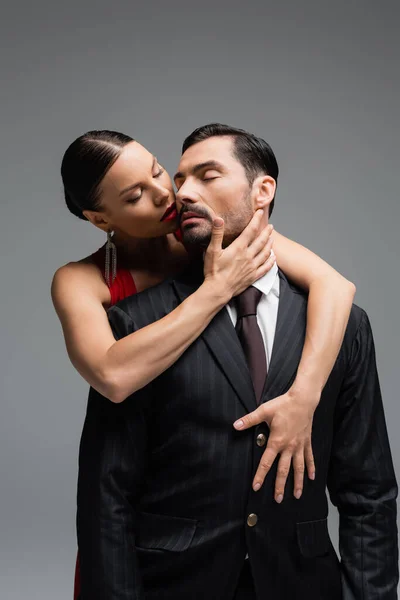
(264, 190)
(98, 219)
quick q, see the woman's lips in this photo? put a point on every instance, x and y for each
(170, 214)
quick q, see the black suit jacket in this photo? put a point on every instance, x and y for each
(165, 481)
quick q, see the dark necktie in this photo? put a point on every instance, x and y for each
(250, 337)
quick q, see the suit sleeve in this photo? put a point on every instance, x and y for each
(111, 472)
(361, 479)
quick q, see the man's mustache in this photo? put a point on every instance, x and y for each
(198, 210)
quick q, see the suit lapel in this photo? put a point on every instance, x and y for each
(223, 342)
(288, 340)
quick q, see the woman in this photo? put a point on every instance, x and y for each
(117, 188)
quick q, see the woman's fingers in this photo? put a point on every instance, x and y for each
(283, 470)
(264, 255)
(266, 266)
(253, 418)
(251, 231)
(282, 475)
(266, 462)
(309, 458)
(263, 252)
(217, 235)
(290, 438)
(262, 240)
(298, 467)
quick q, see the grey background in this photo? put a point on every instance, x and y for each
(319, 80)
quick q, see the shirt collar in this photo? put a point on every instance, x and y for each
(266, 282)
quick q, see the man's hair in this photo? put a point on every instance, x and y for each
(252, 152)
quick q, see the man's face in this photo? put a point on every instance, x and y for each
(211, 182)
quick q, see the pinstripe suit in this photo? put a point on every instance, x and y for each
(165, 481)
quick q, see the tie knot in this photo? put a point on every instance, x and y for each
(247, 301)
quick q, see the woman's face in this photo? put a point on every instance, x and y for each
(135, 194)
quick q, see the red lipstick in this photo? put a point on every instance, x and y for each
(170, 214)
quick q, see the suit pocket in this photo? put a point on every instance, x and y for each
(313, 538)
(164, 532)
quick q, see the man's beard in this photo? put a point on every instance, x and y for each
(197, 236)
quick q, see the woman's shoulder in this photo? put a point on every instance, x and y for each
(79, 277)
(114, 288)
(80, 268)
(92, 266)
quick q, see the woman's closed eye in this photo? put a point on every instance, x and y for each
(134, 198)
(160, 172)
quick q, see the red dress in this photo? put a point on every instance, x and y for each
(122, 287)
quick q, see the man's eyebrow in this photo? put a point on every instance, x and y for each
(208, 164)
(135, 185)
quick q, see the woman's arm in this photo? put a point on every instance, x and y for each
(329, 304)
(290, 416)
(117, 369)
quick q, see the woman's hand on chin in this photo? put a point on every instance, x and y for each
(289, 418)
(233, 269)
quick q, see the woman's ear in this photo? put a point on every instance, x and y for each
(265, 187)
(98, 219)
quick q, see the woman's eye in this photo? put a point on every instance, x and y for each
(160, 172)
(135, 199)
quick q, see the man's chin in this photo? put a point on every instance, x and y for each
(195, 238)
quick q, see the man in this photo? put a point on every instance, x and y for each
(170, 480)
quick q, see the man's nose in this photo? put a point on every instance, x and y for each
(186, 195)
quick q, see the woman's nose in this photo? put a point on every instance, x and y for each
(161, 196)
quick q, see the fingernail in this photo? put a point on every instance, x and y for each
(298, 494)
(238, 424)
(256, 487)
(279, 498)
(312, 476)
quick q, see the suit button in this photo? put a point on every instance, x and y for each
(261, 439)
(252, 520)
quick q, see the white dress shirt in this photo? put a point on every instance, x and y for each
(267, 308)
